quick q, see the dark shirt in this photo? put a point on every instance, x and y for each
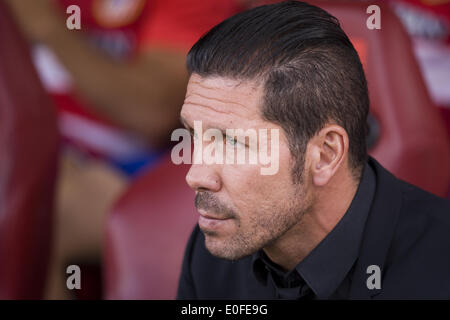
(323, 273)
(320, 273)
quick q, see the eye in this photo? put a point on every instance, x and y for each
(193, 134)
(231, 140)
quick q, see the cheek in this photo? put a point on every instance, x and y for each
(238, 182)
(249, 191)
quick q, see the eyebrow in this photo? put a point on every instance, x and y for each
(191, 130)
(188, 127)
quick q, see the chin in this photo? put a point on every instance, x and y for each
(225, 249)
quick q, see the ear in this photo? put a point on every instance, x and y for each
(327, 151)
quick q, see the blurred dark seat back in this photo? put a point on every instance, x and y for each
(28, 151)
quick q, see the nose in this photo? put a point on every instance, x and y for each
(203, 177)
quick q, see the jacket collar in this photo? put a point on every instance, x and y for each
(379, 231)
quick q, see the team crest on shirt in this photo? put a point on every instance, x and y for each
(116, 13)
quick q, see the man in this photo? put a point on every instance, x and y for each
(331, 223)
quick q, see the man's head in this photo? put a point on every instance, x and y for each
(287, 66)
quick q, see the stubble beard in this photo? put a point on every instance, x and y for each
(264, 229)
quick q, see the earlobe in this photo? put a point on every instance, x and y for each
(322, 175)
(317, 163)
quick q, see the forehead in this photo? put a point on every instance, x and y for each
(222, 101)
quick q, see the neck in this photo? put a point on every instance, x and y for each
(330, 203)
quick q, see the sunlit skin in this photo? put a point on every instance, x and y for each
(242, 211)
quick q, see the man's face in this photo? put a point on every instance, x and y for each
(241, 210)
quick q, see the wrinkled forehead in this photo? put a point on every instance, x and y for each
(221, 100)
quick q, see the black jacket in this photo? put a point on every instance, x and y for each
(406, 234)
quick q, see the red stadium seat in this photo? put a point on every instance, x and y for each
(146, 235)
(412, 141)
(28, 151)
(148, 228)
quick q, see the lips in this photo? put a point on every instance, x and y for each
(210, 216)
(211, 222)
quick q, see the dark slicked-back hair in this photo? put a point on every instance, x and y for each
(310, 70)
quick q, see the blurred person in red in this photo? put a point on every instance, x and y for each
(118, 84)
(428, 24)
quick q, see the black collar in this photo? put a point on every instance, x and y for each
(384, 215)
(324, 269)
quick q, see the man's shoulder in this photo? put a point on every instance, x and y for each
(425, 205)
(422, 215)
(407, 235)
(418, 263)
(424, 222)
(416, 204)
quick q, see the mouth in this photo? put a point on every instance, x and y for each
(211, 222)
